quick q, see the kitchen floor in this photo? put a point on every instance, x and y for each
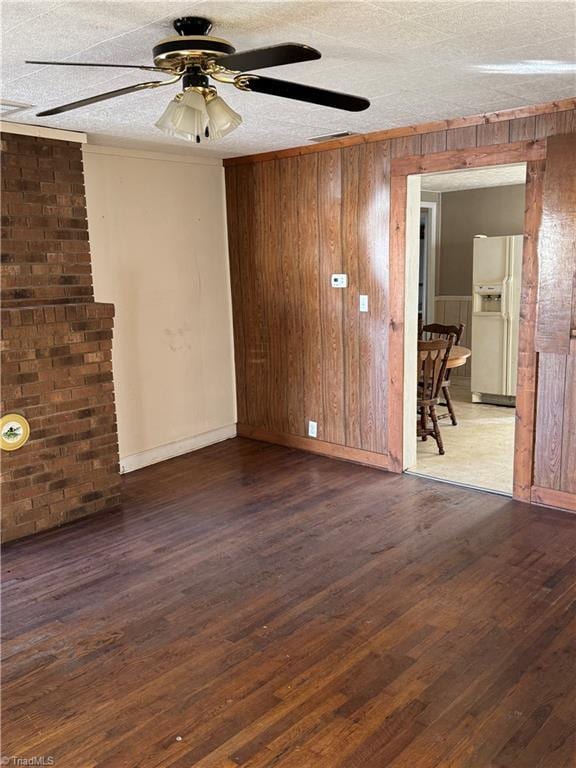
(479, 450)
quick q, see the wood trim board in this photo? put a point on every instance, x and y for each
(472, 157)
(434, 132)
(398, 194)
(527, 357)
(549, 497)
(528, 151)
(323, 447)
(557, 246)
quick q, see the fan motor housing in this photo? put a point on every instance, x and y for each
(189, 49)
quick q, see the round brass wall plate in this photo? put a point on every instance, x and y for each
(14, 431)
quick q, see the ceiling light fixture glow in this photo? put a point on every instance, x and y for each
(529, 67)
(198, 114)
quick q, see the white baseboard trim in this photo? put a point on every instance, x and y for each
(170, 450)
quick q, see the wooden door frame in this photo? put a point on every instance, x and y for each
(534, 154)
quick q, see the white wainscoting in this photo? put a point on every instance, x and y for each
(452, 310)
(170, 450)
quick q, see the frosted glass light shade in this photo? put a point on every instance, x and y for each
(223, 119)
(185, 117)
(190, 117)
(193, 119)
(168, 119)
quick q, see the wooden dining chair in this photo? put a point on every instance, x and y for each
(432, 360)
(439, 331)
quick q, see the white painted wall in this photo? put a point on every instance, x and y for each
(159, 253)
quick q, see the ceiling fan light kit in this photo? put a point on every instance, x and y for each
(223, 119)
(195, 116)
(198, 113)
(185, 117)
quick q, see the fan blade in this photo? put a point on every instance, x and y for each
(100, 97)
(85, 64)
(272, 56)
(289, 90)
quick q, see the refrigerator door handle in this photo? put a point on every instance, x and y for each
(506, 290)
(508, 358)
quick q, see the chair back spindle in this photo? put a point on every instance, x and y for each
(439, 331)
(432, 361)
(433, 358)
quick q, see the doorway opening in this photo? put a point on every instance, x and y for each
(464, 239)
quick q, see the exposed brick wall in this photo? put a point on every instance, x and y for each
(45, 250)
(56, 344)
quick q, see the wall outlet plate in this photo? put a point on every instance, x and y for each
(339, 281)
(312, 429)
(363, 303)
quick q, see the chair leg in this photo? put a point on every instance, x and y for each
(446, 393)
(423, 424)
(436, 426)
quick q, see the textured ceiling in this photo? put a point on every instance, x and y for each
(417, 61)
(495, 176)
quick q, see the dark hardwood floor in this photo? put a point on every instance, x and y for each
(258, 606)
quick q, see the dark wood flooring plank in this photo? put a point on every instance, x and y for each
(276, 609)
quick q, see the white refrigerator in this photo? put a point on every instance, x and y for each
(496, 278)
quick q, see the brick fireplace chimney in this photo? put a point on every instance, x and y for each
(56, 344)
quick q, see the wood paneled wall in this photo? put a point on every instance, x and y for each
(492, 128)
(303, 350)
(555, 446)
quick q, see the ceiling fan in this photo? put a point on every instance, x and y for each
(193, 56)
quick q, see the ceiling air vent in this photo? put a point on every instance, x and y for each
(330, 136)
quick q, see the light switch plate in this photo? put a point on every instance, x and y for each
(339, 281)
(363, 303)
(312, 429)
